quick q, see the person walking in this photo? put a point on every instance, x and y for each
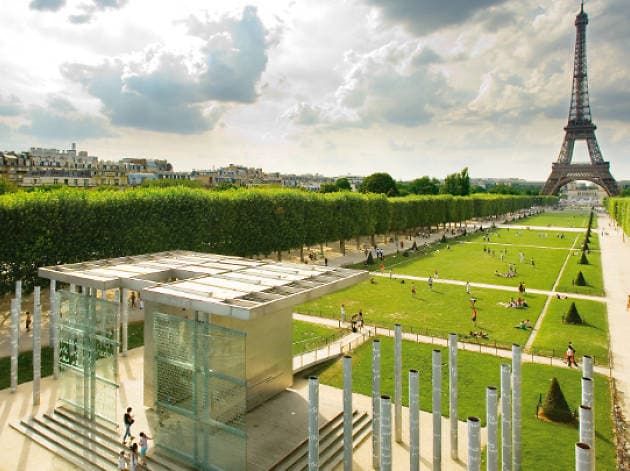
(430, 282)
(474, 317)
(468, 287)
(29, 321)
(570, 355)
(144, 446)
(128, 421)
(343, 313)
(413, 289)
(133, 458)
(360, 320)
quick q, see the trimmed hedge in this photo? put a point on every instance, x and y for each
(73, 225)
(619, 210)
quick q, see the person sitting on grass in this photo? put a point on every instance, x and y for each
(512, 303)
(521, 325)
(528, 325)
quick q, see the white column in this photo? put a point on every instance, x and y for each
(587, 366)
(125, 320)
(414, 421)
(398, 383)
(474, 444)
(15, 335)
(506, 436)
(452, 389)
(583, 455)
(313, 423)
(491, 420)
(376, 403)
(437, 409)
(18, 298)
(37, 346)
(516, 407)
(386, 433)
(53, 318)
(347, 413)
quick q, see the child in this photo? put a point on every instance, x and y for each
(29, 321)
(122, 461)
(144, 446)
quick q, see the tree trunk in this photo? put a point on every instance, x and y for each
(302, 254)
(279, 255)
(342, 246)
(358, 242)
(373, 240)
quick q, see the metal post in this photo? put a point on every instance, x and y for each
(587, 366)
(491, 419)
(18, 296)
(452, 389)
(52, 332)
(347, 413)
(313, 423)
(587, 392)
(586, 425)
(376, 403)
(37, 345)
(414, 421)
(516, 407)
(125, 319)
(506, 437)
(398, 382)
(386, 433)
(474, 444)
(437, 410)
(15, 334)
(583, 456)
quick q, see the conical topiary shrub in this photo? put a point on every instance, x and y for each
(583, 259)
(579, 279)
(572, 316)
(555, 406)
(370, 259)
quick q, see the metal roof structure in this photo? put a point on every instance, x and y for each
(217, 284)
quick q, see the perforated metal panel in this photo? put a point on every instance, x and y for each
(201, 392)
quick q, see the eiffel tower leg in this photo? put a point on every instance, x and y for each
(593, 150)
(566, 150)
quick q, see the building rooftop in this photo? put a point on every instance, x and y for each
(217, 284)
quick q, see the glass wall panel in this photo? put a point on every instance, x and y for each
(201, 392)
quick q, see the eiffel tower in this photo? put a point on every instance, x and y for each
(580, 127)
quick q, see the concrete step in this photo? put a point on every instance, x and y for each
(330, 444)
(80, 456)
(112, 438)
(333, 455)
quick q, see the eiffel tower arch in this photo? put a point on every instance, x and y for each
(580, 127)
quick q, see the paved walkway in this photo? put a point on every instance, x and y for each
(370, 331)
(616, 268)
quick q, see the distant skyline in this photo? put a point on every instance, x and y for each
(408, 87)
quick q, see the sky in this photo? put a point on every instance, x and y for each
(336, 87)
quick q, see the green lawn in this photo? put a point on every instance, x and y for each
(592, 274)
(524, 237)
(469, 262)
(307, 336)
(438, 312)
(558, 219)
(589, 339)
(543, 442)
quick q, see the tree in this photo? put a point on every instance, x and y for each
(7, 187)
(572, 316)
(425, 186)
(379, 183)
(555, 406)
(343, 184)
(457, 184)
(328, 188)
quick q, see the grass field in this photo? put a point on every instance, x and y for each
(592, 274)
(543, 442)
(307, 336)
(558, 219)
(444, 309)
(472, 258)
(589, 339)
(469, 262)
